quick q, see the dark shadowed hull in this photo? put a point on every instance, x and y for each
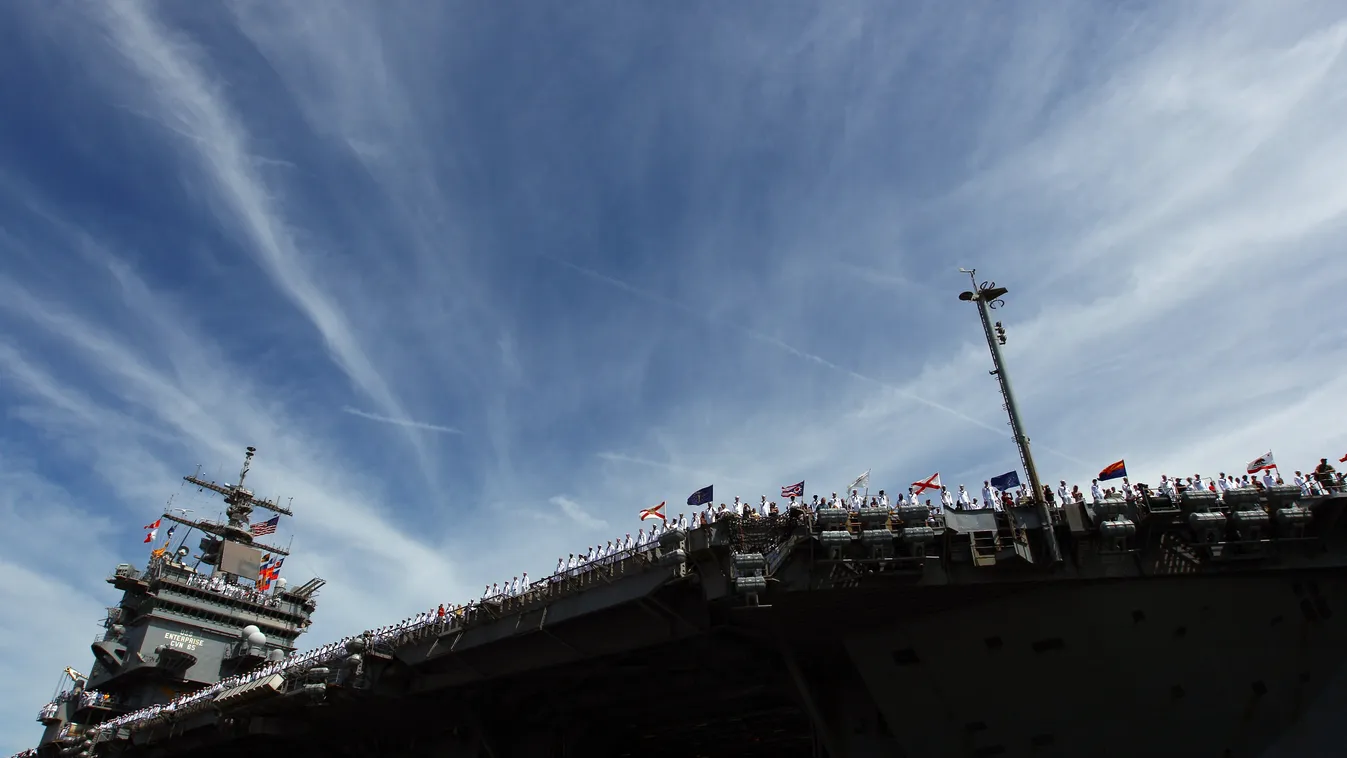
(1200, 666)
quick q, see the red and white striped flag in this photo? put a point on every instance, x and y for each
(793, 490)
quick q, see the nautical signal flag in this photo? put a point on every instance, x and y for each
(1006, 480)
(702, 496)
(268, 573)
(1262, 463)
(657, 512)
(154, 530)
(793, 490)
(1343, 459)
(1116, 470)
(931, 482)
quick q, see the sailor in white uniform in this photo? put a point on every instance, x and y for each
(989, 495)
(946, 499)
(1096, 494)
(1269, 481)
(856, 502)
(1063, 494)
(965, 499)
(1303, 483)
(883, 500)
(1167, 487)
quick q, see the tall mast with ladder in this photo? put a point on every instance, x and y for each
(987, 296)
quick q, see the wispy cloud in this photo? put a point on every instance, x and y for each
(575, 512)
(401, 421)
(627, 275)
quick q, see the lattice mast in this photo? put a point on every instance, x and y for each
(239, 505)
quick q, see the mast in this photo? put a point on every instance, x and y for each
(988, 296)
(239, 505)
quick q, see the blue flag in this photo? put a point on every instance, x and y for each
(701, 496)
(1006, 480)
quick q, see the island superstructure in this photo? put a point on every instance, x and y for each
(188, 622)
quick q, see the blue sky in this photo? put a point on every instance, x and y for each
(480, 285)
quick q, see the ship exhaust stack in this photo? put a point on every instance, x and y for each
(987, 296)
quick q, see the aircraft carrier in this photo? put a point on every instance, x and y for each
(1198, 627)
(1195, 625)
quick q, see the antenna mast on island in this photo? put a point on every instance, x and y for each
(239, 505)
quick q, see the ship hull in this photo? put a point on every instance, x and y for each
(1217, 665)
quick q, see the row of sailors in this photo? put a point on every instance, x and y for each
(83, 698)
(596, 555)
(1310, 486)
(214, 583)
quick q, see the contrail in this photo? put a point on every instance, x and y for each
(408, 423)
(792, 350)
(710, 475)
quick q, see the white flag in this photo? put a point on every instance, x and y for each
(1262, 463)
(860, 482)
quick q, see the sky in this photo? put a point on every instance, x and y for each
(480, 284)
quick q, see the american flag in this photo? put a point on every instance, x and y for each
(793, 490)
(265, 527)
